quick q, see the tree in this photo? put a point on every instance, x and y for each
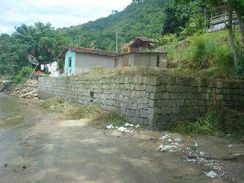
(232, 6)
(39, 40)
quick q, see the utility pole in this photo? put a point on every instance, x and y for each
(117, 41)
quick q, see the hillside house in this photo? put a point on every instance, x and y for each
(138, 44)
(137, 1)
(218, 22)
(142, 59)
(80, 60)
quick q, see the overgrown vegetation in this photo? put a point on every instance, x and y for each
(23, 75)
(177, 25)
(69, 110)
(204, 53)
(219, 120)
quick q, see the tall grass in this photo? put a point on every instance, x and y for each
(69, 110)
(219, 120)
(208, 51)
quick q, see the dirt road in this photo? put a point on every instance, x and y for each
(45, 149)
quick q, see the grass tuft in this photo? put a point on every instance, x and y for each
(72, 111)
(218, 121)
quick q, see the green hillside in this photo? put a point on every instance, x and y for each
(137, 19)
(178, 27)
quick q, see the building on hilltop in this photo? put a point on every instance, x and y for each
(137, 1)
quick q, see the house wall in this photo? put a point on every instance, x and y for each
(84, 62)
(150, 60)
(142, 59)
(69, 70)
(124, 58)
(153, 101)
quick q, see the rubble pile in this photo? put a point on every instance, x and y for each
(4, 85)
(26, 90)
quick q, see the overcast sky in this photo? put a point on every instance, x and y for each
(60, 13)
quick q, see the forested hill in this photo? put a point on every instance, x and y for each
(176, 24)
(138, 19)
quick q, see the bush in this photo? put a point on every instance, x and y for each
(23, 75)
(218, 121)
(108, 118)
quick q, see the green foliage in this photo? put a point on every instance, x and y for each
(138, 19)
(107, 118)
(218, 121)
(184, 17)
(207, 53)
(39, 40)
(23, 75)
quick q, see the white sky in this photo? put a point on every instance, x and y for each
(60, 13)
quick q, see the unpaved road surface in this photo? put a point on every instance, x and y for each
(47, 150)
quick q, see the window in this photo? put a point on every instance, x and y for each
(158, 61)
(70, 61)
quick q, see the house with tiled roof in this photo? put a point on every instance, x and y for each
(79, 60)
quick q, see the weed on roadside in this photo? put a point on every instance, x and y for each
(72, 111)
(219, 120)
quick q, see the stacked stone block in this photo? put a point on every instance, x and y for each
(154, 101)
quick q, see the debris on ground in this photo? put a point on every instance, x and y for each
(127, 128)
(129, 125)
(26, 90)
(174, 147)
(211, 174)
(109, 127)
(192, 154)
(170, 144)
(124, 130)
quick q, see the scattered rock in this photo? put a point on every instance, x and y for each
(137, 126)
(129, 125)
(6, 165)
(124, 129)
(211, 174)
(175, 147)
(127, 128)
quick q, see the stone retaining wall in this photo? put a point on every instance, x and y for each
(180, 99)
(155, 102)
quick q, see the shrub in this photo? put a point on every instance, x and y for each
(219, 120)
(23, 75)
(108, 118)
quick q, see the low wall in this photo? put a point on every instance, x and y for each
(155, 102)
(129, 95)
